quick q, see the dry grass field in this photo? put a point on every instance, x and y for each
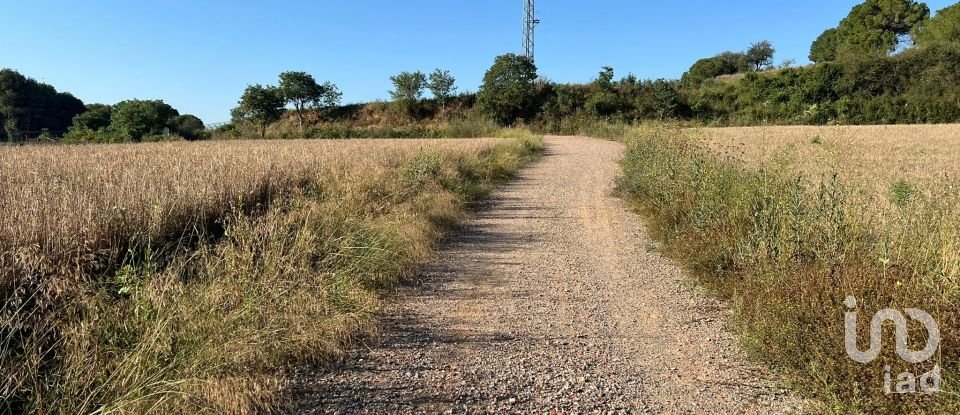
(870, 158)
(182, 277)
(786, 222)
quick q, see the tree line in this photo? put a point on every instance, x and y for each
(887, 61)
(30, 109)
(263, 105)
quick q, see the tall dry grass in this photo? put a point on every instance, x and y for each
(788, 222)
(871, 159)
(181, 277)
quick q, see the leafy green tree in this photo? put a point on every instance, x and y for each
(824, 49)
(727, 63)
(95, 118)
(408, 89)
(566, 101)
(33, 106)
(760, 55)
(666, 100)
(188, 126)
(442, 85)
(604, 80)
(137, 119)
(303, 91)
(944, 27)
(605, 101)
(260, 105)
(508, 92)
(873, 28)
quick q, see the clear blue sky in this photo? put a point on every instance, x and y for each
(198, 55)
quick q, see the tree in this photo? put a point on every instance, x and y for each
(944, 27)
(299, 89)
(760, 55)
(408, 89)
(726, 63)
(260, 105)
(508, 92)
(824, 49)
(95, 118)
(604, 80)
(188, 126)
(137, 119)
(34, 106)
(441, 85)
(874, 27)
(666, 100)
(303, 91)
(330, 97)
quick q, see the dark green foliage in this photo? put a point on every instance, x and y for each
(442, 85)
(133, 120)
(605, 101)
(920, 85)
(96, 117)
(508, 92)
(408, 90)
(727, 63)
(188, 126)
(944, 27)
(666, 100)
(28, 107)
(260, 105)
(824, 49)
(136, 119)
(760, 55)
(604, 81)
(872, 28)
(302, 91)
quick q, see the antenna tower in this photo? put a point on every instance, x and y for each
(530, 23)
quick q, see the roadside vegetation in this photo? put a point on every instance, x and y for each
(181, 277)
(185, 277)
(787, 222)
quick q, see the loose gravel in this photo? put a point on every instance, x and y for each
(552, 300)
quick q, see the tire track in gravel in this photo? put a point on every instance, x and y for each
(549, 302)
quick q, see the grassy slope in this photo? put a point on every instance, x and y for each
(199, 316)
(786, 251)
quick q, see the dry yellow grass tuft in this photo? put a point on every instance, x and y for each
(179, 277)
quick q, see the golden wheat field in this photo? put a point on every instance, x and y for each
(182, 277)
(61, 197)
(871, 158)
(901, 180)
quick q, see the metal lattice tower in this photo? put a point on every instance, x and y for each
(530, 23)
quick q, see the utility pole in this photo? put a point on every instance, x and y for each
(530, 23)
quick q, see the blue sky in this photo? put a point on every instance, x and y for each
(199, 55)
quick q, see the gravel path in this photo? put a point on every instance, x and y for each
(550, 301)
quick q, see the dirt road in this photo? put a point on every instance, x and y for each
(552, 300)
